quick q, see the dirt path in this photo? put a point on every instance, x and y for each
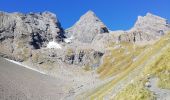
(129, 78)
(19, 83)
(161, 94)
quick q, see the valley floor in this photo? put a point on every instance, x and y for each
(19, 83)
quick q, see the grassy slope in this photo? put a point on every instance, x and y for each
(119, 59)
(120, 62)
(158, 67)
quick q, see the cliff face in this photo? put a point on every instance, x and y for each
(19, 33)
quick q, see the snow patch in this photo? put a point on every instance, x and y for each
(18, 63)
(68, 40)
(53, 45)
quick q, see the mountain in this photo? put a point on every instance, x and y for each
(87, 27)
(96, 63)
(152, 24)
(146, 30)
(19, 33)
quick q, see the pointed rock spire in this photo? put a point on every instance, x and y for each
(87, 27)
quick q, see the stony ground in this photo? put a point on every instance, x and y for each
(161, 94)
(19, 83)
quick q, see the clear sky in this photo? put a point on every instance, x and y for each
(116, 14)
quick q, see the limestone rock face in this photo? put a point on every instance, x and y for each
(82, 57)
(102, 41)
(70, 56)
(152, 24)
(27, 36)
(146, 29)
(20, 33)
(88, 26)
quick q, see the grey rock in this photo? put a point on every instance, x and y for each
(25, 37)
(88, 26)
(45, 56)
(70, 56)
(152, 24)
(21, 33)
(82, 56)
(102, 41)
(148, 84)
(146, 29)
(135, 36)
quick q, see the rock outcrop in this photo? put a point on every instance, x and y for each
(146, 29)
(82, 56)
(152, 24)
(88, 26)
(69, 55)
(21, 33)
(28, 36)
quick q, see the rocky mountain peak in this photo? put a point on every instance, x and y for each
(87, 27)
(151, 18)
(147, 29)
(151, 24)
(90, 12)
(89, 16)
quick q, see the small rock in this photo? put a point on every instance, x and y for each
(148, 84)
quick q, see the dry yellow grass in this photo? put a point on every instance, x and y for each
(135, 91)
(158, 67)
(161, 68)
(110, 68)
(118, 59)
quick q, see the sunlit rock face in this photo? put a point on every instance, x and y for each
(21, 33)
(147, 29)
(152, 24)
(88, 26)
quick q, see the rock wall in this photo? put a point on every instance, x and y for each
(21, 33)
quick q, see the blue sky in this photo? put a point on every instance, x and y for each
(116, 14)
